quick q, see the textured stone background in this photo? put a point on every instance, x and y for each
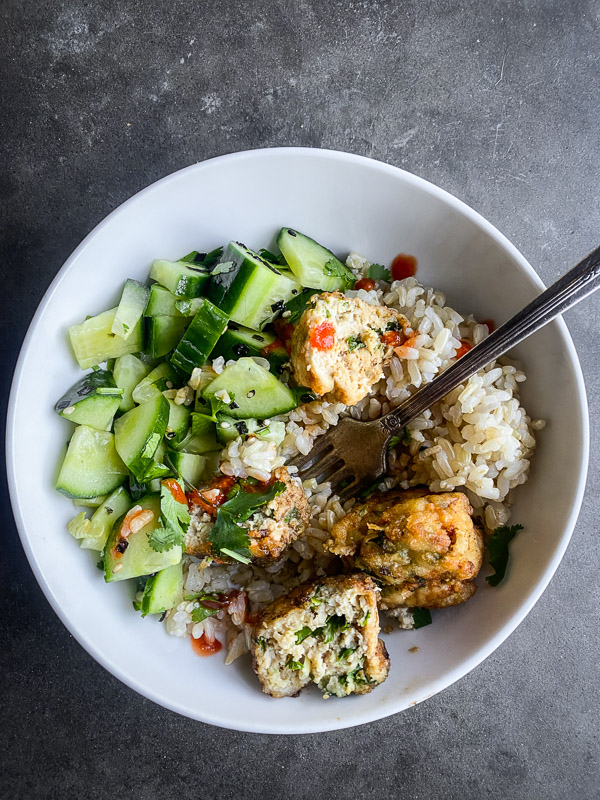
(496, 102)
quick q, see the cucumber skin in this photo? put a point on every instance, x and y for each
(93, 341)
(146, 388)
(181, 278)
(139, 558)
(109, 474)
(140, 461)
(92, 409)
(190, 466)
(200, 338)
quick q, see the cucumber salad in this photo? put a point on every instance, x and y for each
(205, 381)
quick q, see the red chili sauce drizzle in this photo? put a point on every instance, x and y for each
(464, 348)
(403, 266)
(365, 283)
(202, 646)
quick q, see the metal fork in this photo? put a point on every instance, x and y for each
(353, 454)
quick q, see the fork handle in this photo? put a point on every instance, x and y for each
(574, 286)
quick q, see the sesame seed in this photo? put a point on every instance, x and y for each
(69, 410)
(286, 314)
(118, 568)
(225, 425)
(169, 384)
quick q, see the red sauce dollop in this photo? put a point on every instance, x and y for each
(223, 483)
(175, 489)
(322, 337)
(365, 283)
(464, 348)
(202, 647)
(403, 266)
(284, 330)
(392, 338)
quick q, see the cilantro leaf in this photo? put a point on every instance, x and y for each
(498, 551)
(378, 272)
(393, 442)
(421, 617)
(297, 305)
(175, 514)
(223, 268)
(278, 260)
(243, 504)
(334, 623)
(345, 652)
(202, 612)
(164, 538)
(226, 536)
(294, 665)
(303, 634)
(403, 438)
(336, 269)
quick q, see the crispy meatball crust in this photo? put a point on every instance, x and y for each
(345, 372)
(353, 661)
(424, 547)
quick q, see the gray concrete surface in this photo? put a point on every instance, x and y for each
(496, 102)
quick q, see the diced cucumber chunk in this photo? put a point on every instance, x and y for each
(155, 382)
(158, 469)
(181, 278)
(200, 338)
(92, 466)
(92, 533)
(297, 305)
(251, 290)
(131, 308)
(92, 401)
(201, 438)
(128, 371)
(139, 432)
(189, 465)
(179, 422)
(238, 341)
(94, 342)
(162, 303)
(133, 556)
(164, 333)
(257, 393)
(163, 590)
(229, 428)
(314, 266)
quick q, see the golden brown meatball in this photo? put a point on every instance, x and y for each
(340, 345)
(272, 528)
(324, 632)
(423, 547)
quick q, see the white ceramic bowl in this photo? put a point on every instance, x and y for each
(348, 203)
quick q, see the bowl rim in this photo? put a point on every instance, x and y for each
(391, 707)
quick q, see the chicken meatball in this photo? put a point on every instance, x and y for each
(424, 548)
(340, 345)
(271, 528)
(325, 632)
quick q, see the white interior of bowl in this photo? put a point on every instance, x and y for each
(346, 202)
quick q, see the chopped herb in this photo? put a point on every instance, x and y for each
(393, 442)
(205, 259)
(272, 258)
(164, 538)
(292, 514)
(333, 624)
(125, 327)
(297, 305)
(303, 634)
(95, 368)
(226, 536)
(315, 600)
(403, 438)
(364, 620)
(378, 272)
(336, 269)
(136, 489)
(421, 617)
(498, 551)
(175, 518)
(224, 268)
(393, 325)
(216, 407)
(345, 652)
(294, 665)
(261, 642)
(201, 613)
(406, 437)
(370, 489)
(354, 343)
(110, 391)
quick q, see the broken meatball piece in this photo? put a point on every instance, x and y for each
(272, 527)
(325, 632)
(340, 345)
(424, 548)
